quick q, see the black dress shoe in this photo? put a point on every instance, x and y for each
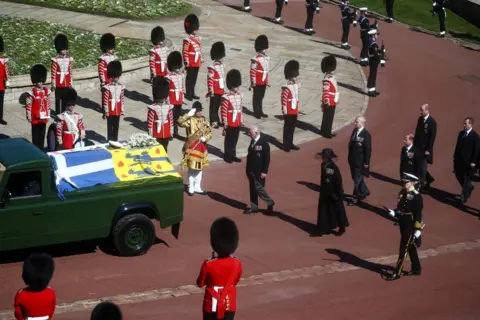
(286, 149)
(189, 98)
(333, 134)
(294, 147)
(270, 207)
(258, 117)
(247, 10)
(373, 94)
(190, 194)
(352, 203)
(196, 97)
(201, 193)
(3, 122)
(413, 273)
(236, 159)
(264, 115)
(228, 160)
(393, 277)
(250, 211)
(327, 135)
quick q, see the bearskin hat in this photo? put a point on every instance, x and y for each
(114, 69)
(38, 271)
(38, 73)
(70, 97)
(292, 69)
(2, 45)
(106, 311)
(329, 64)
(197, 105)
(224, 236)
(217, 51)
(61, 42)
(157, 35)
(191, 23)
(174, 61)
(234, 79)
(261, 43)
(107, 42)
(161, 88)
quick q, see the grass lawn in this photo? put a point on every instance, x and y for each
(130, 9)
(28, 42)
(417, 13)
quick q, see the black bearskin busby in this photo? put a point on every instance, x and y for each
(174, 61)
(2, 45)
(329, 64)
(217, 51)
(106, 311)
(70, 97)
(157, 35)
(261, 43)
(224, 237)
(107, 42)
(114, 69)
(61, 42)
(161, 88)
(38, 271)
(191, 23)
(197, 105)
(38, 73)
(292, 69)
(234, 79)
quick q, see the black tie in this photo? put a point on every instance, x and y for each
(355, 135)
(466, 134)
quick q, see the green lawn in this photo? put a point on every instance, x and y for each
(130, 9)
(28, 42)
(417, 13)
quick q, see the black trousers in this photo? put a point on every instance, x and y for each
(441, 18)
(425, 176)
(327, 120)
(153, 81)
(258, 94)
(360, 188)
(231, 140)
(190, 82)
(372, 76)
(463, 177)
(389, 5)
(38, 135)
(215, 102)
(309, 22)
(364, 38)
(2, 97)
(278, 11)
(113, 123)
(345, 30)
(406, 231)
(177, 110)
(246, 3)
(164, 142)
(290, 120)
(59, 99)
(257, 189)
(213, 315)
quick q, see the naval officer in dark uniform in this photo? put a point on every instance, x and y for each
(425, 134)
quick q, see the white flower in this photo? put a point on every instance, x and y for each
(140, 140)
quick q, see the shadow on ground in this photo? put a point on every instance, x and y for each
(355, 261)
(300, 224)
(226, 200)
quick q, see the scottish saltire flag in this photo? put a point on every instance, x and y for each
(82, 169)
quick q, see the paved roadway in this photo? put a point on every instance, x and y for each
(421, 69)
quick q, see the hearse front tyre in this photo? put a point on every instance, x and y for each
(133, 235)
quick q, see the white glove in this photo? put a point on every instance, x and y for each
(203, 139)
(417, 234)
(391, 213)
(355, 22)
(192, 112)
(382, 61)
(7, 83)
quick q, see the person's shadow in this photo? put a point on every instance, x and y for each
(305, 226)
(383, 178)
(138, 96)
(226, 200)
(452, 200)
(355, 261)
(310, 185)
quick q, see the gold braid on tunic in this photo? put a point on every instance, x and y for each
(196, 128)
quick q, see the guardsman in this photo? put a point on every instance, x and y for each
(364, 28)
(409, 214)
(259, 69)
(113, 100)
(158, 55)
(438, 8)
(425, 134)
(38, 105)
(410, 157)
(216, 81)
(70, 128)
(330, 96)
(4, 79)
(107, 45)
(177, 86)
(331, 212)
(389, 5)
(221, 274)
(192, 55)
(37, 300)
(160, 115)
(106, 311)
(61, 72)
(348, 17)
(278, 10)
(232, 104)
(376, 57)
(312, 7)
(195, 150)
(290, 103)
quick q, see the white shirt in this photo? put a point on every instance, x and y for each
(409, 147)
(256, 140)
(467, 132)
(426, 117)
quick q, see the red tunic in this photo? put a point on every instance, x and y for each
(158, 61)
(177, 88)
(69, 128)
(290, 98)
(62, 71)
(160, 120)
(215, 274)
(35, 305)
(330, 91)
(216, 78)
(114, 99)
(38, 105)
(103, 62)
(192, 51)
(4, 75)
(232, 109)
(259, 69)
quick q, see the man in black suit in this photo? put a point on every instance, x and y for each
(410, 158)
(359, 152)
(425, 134)
(465, 156)
(258, 161)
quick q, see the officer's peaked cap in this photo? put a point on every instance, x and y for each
(114, 69)
(197, 105)
(2, 45)
(157, 35)
(217, 51)
(106, 311)
(38, 73)
(292, 69)
(261, 43)
(191, 23)
(328, 153)
(107, 42)
(38, 271)
(372, 32)
(224, 236)
(161, 88)
(329, 64)
(61, 42)
(408, 177)
(174, 60)
(70, 97)
(363, 9)
(234, 79)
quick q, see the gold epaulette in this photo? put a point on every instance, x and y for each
(419, 225)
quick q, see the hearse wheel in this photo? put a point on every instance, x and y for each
(133, 235)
